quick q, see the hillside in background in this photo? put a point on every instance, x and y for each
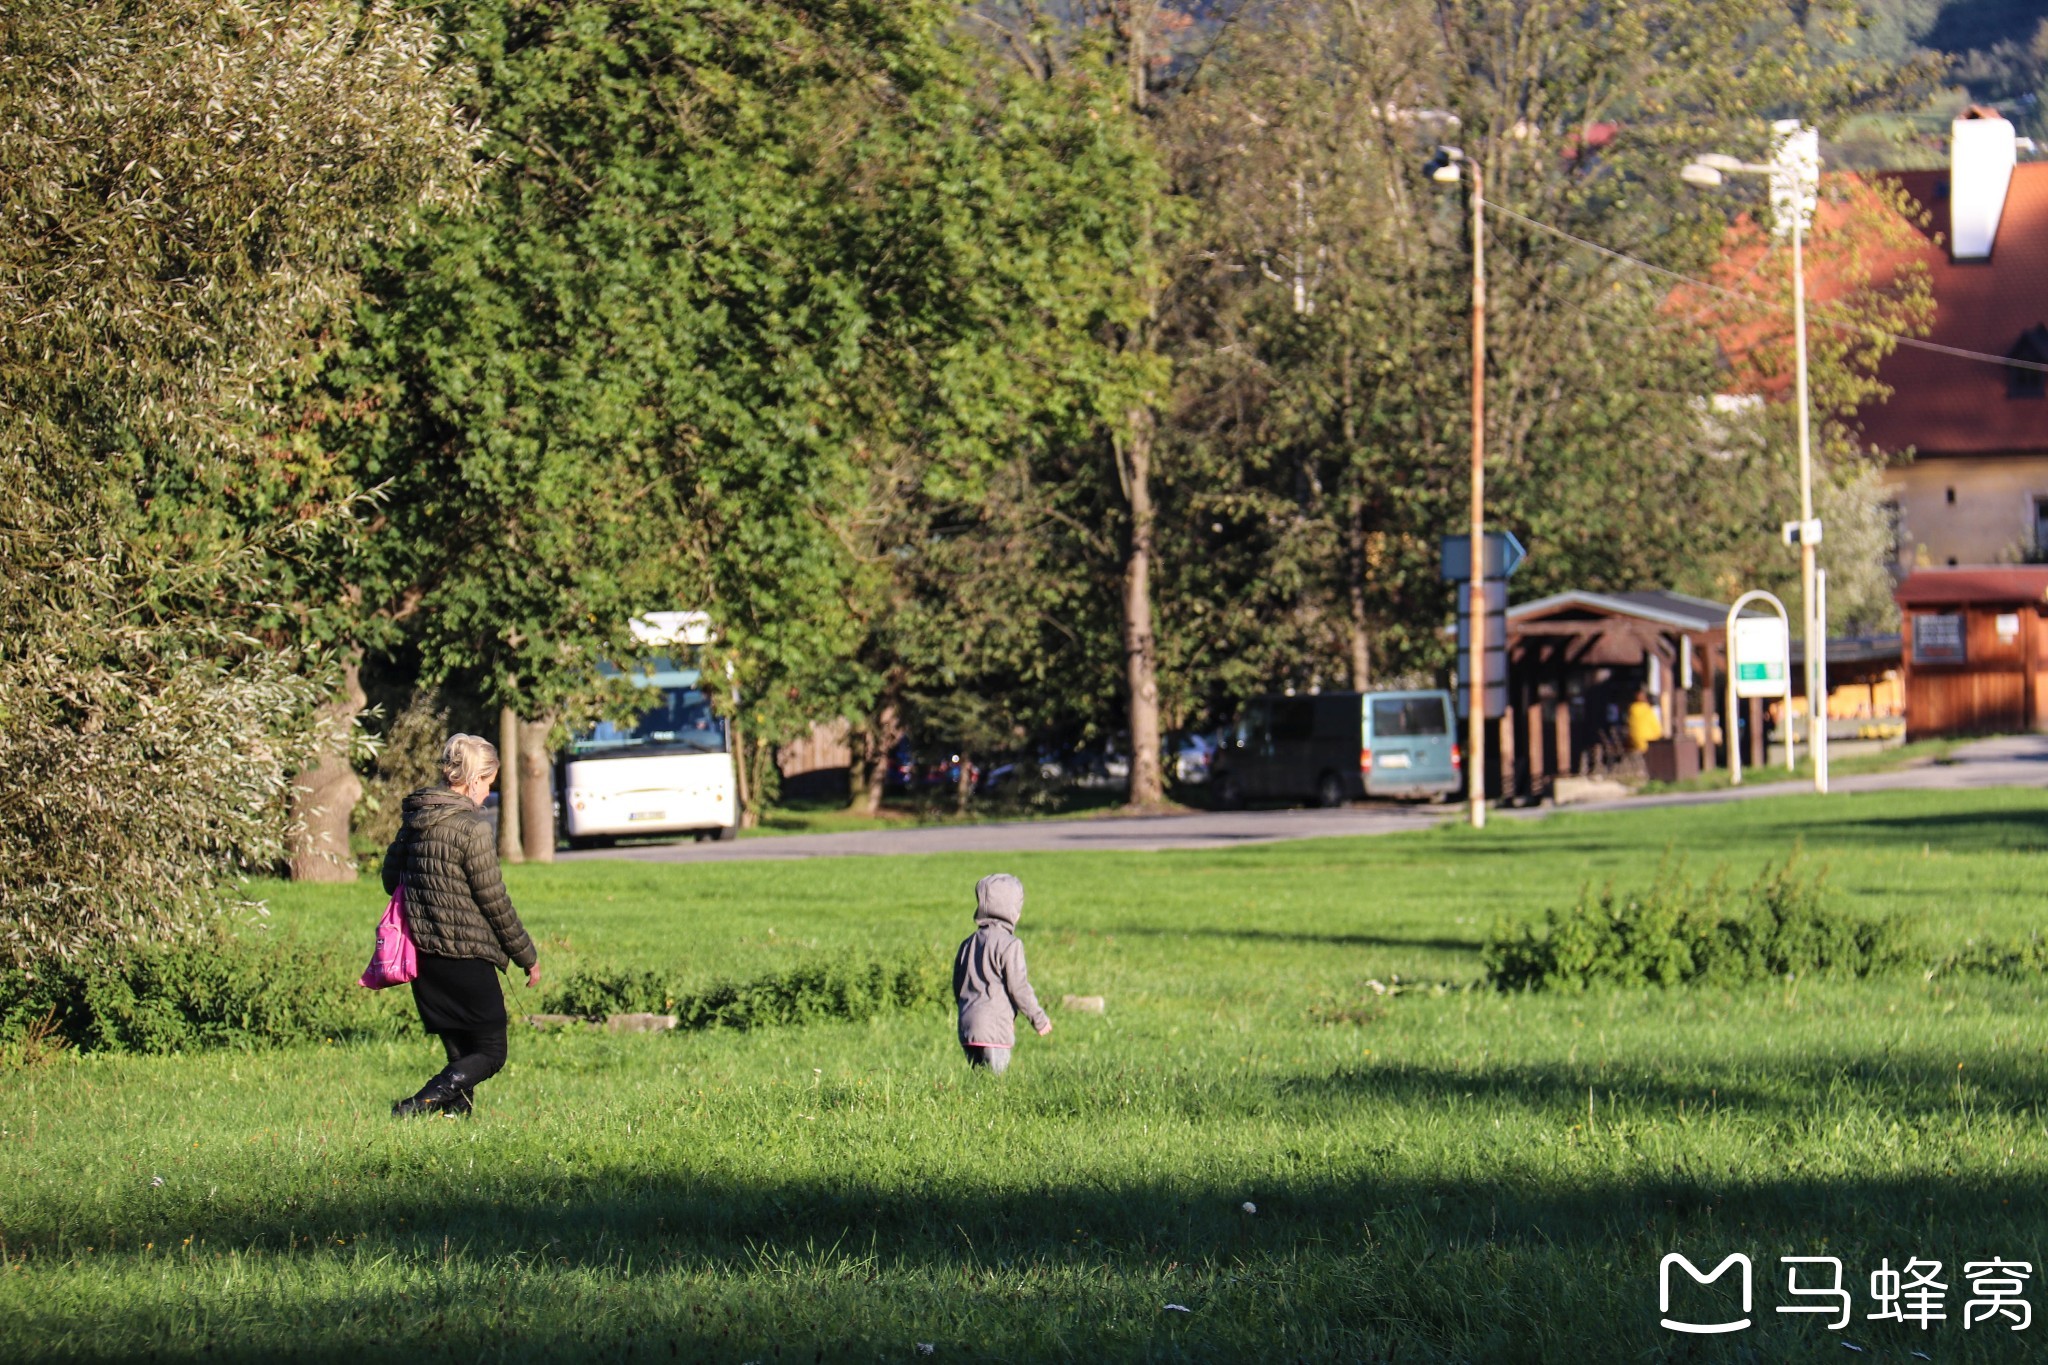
(1997, 53)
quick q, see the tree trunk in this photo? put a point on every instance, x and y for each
(536, 790)
(1361, 637)
(764, 779)
(324, 796)
(511, 848)
(749, 815)
(963, 784)
(1141, 647)
(860, 748)
(882, 737)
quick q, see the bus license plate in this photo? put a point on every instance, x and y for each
(648, 815)
(1391, 761)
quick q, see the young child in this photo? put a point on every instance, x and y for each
(989, 979)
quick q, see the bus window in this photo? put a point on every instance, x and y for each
(681, 719)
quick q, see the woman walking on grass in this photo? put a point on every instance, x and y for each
(462, 924)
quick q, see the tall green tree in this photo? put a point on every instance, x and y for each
(993, 524)
(1325, 373)
(630, 380)
(1124, 51)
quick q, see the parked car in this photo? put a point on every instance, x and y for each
(907, 772)
(1189, 754)
(1333, 747)
(1100, 768)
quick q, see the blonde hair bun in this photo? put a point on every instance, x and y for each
(465, 758)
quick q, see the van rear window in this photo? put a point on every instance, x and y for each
(1407, 717)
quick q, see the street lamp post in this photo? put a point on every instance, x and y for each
(1794, 179)
(1448, 166)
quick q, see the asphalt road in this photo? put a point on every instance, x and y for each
(2013, 762)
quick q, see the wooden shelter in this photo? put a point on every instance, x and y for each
(1975, 650)
(1575, 662)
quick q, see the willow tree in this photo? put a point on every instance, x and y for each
(185, 191)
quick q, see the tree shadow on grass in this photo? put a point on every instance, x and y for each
(1353, 1253)
(1502, 1266)
(1910, 1087)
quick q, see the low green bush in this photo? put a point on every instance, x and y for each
(1996, 957)
(595, 994)
(214, 990)
(1678, 931)
(859, 989)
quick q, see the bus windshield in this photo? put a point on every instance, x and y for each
(680, 721)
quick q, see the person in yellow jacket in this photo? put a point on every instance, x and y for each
(1644, 724)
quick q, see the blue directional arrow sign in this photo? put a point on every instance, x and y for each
(1504, 554)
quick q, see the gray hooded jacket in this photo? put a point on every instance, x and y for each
(989, 979)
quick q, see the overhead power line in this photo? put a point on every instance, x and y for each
(1877, 333)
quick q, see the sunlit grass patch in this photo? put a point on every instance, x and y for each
(1451, 1174)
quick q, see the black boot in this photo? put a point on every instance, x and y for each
(450, 1092)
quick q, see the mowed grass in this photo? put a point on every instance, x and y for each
(1437, 1176)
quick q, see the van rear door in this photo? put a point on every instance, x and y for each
(1409, 735)
(1291, 774)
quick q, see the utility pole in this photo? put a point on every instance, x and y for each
(1815, 629)
(1475, 702)
(1794, 176)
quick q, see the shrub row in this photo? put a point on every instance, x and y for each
(1678, 931)
(222, 991)
(210, 992)
(1995, 957)
(861, 989)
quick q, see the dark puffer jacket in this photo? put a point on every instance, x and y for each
(455, 899)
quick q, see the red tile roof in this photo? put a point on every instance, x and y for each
(1955, 587)
(1946, 405)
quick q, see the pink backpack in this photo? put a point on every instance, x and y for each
(395, 962)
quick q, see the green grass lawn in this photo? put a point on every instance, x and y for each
(1453, 1175)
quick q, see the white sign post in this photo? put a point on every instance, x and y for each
(1759, 665)
(1817, 703)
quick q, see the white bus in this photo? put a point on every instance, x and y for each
(670, 771)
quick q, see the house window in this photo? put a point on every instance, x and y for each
(1951, 497)
(1937, 639)
(2027, 380)
(2041, 529)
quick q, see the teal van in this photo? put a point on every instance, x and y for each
(1332, 747)
(1408, 745)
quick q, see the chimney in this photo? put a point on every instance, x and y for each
(1982, 152)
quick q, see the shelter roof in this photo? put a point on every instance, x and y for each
(1968, 586)
(1670, 610)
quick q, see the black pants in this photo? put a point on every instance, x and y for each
(475, 1055)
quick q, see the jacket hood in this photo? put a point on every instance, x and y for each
(998, 899)
(431, 805)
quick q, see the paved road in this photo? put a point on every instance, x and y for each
(2016, 762)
